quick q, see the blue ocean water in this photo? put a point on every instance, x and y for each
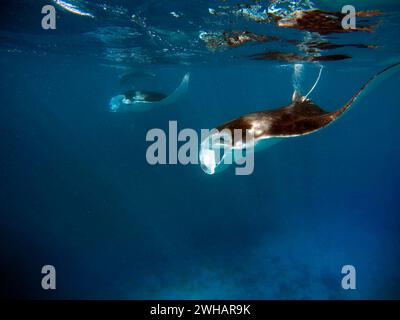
(78, 193)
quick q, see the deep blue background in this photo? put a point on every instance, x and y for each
(76, 191)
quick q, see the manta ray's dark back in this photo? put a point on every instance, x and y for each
(300, 117)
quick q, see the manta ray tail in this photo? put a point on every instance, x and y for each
(315, 84)
(297, 97)
(367, 87)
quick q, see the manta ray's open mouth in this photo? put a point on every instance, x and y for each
(214, 150)
(219, 150)
(115, 103)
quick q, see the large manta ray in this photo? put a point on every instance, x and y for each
(268, 127)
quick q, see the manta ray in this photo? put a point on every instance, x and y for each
(301, 117)
(138, 101)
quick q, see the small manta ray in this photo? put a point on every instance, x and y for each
(299, 118)
(138, 101)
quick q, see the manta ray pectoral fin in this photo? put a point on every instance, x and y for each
(367, 87)
(178, 93)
